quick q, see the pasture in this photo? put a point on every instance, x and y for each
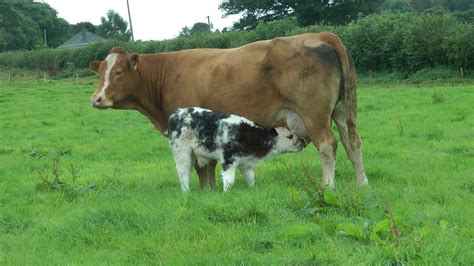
(84, 186)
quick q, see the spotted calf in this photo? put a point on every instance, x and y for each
(238, 143)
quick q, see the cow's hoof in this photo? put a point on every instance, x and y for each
(363, 183)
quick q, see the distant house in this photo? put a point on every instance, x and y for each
(81, 39)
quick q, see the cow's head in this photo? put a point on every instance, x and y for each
(119, 80)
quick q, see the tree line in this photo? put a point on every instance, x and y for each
(24, 25)
(393, 42)
(406, 36)
(331, 12)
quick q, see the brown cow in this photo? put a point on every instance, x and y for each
(301, 82)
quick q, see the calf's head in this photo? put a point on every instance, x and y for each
(287, 141)
(118, 80)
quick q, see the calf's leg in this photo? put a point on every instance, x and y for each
(249, 175)
(228, 175)
(207, 174)
(184, 164)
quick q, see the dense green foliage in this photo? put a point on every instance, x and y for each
(410, 42)
(306, 12)
(197, 28)
(113, 26)
(22, 25)
(75, 28)
(332, 12)
(84, 186)
(403, 42)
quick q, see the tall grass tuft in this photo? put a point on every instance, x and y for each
(437, 96)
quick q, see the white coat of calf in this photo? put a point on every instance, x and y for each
(197, 134)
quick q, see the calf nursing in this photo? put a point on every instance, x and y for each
(197, 134)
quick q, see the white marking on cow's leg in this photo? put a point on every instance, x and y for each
(228, 176)
(355, 155)
(110, 59)
(249, 175)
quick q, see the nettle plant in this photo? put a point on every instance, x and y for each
(366, 219)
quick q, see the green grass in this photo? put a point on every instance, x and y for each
(84, 186)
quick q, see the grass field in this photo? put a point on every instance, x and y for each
(83, 186)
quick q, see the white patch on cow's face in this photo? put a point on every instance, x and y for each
(287, 141)
(99, 99)
(110, 59)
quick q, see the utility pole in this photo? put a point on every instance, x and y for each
(130, 20)
(209, 22)
(44, 34)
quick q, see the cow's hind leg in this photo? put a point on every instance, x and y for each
(319, 131)
(355, 155)
(207, 174)
(326, 145)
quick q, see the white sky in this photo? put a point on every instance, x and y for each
(151, 19)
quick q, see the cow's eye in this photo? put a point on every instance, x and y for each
(118, 73)
(289, 137)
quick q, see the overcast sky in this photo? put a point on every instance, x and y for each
(151, 19)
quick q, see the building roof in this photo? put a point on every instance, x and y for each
(81, 39)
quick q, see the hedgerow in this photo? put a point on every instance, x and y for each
(403, 42)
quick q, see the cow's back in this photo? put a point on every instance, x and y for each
(255, 80)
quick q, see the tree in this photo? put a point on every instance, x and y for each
(458, 5)
(113, 26)
(307, 12)
(254, 11)
(422, 5)
(397, 6)
(17, 31)
(57, 29)
(198, 28)
(451, 5)
(22, 24)
(76, 28)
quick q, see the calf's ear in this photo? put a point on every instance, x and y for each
(273, 132)
(94, 65)
(280, 130)
(134, 59)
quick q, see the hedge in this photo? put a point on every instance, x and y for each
(404, 42)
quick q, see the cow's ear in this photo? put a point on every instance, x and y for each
(94, 65)
(134, 59)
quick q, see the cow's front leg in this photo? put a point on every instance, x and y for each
(207, 174)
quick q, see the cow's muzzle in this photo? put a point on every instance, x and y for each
(98, 101)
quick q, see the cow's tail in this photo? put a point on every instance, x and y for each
(349, 86)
